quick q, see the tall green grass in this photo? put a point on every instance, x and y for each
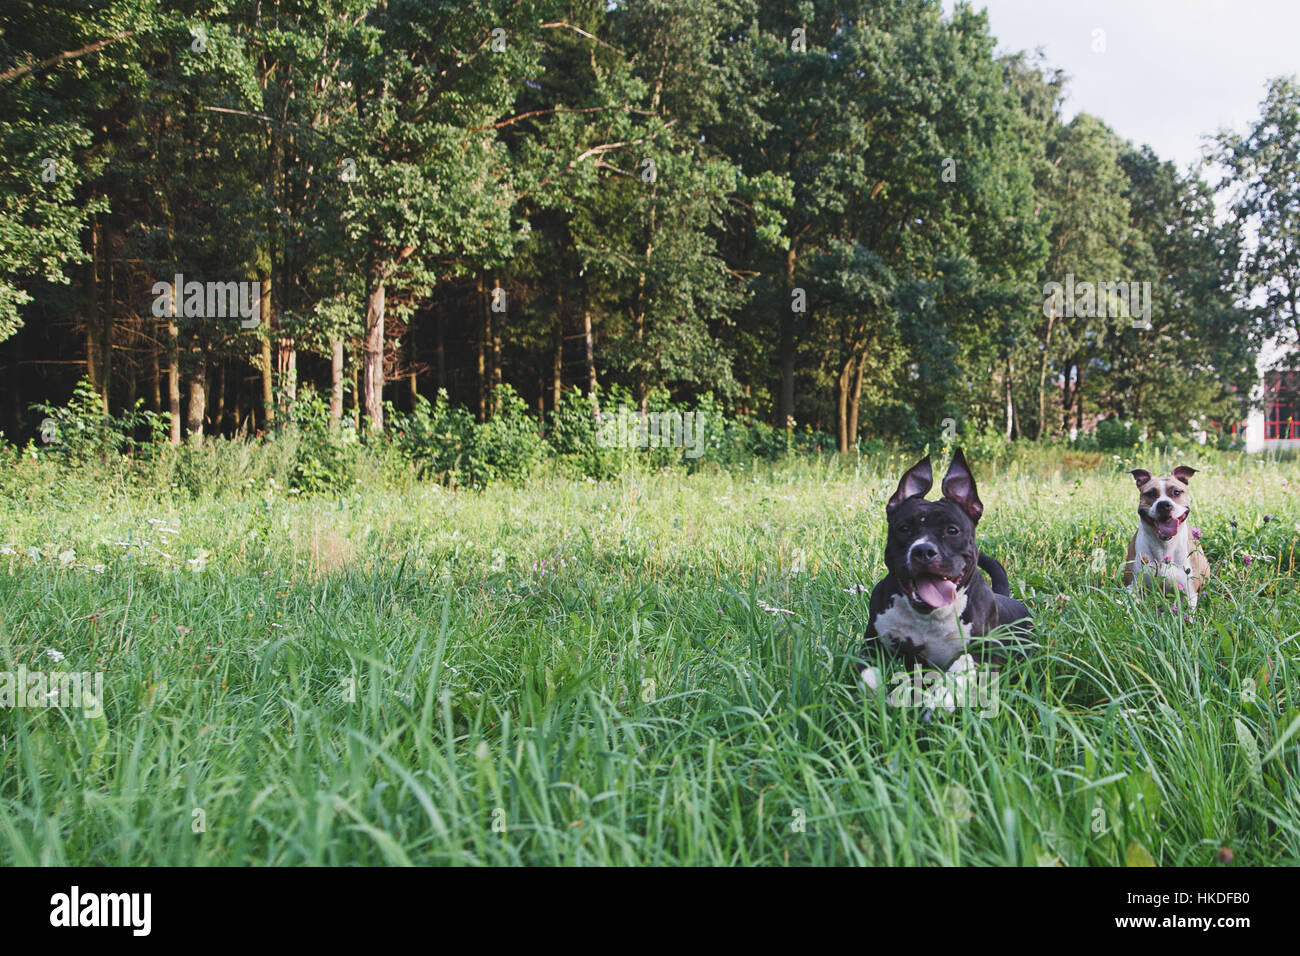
(574, 672)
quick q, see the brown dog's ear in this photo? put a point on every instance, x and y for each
(959, 486)
(1182, 473)
(1141, 476)
(916, 481)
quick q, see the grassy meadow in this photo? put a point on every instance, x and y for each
(655, 669)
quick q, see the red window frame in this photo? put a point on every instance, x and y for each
(1282, 406)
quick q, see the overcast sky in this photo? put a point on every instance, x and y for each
(1172, 70)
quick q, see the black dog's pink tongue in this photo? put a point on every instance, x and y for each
(936, 592)
(1168, 528)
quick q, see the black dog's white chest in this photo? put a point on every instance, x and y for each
(939, 637)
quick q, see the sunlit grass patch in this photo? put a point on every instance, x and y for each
(656, 669)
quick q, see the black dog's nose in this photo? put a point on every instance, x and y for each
(925, 553)
(1164, 507)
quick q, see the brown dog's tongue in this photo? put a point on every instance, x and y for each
(936, 592)
(1167, 528)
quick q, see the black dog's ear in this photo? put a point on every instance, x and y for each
(1141, 476)
(916, 481)
(1182, 473)
(959, 486)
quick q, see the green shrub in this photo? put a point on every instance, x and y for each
(443, 441)
(1114, 435)
(987, 445)
(81, 431)
(326, 456)
(509, 446)
(574, 437)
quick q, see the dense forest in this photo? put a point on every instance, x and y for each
(843, 215)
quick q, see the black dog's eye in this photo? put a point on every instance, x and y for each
(905, 528)
(952, 529)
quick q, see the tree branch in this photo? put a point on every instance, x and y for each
(61, 57)
(559, 109)
(600, 150)
(561, 25)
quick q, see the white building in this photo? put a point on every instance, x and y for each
(1274, 420)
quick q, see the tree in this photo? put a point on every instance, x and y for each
(1085, 199)
(429, 80)
(1264, 168)
(47, 68)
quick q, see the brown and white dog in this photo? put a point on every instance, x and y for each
(1162, 552)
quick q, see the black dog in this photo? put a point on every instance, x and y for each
(934, 602)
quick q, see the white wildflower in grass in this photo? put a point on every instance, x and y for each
(8, 549)
(98, 568)
(66, 558)
(199, 561)
(774, 611)
(857, 589)
(54, 655)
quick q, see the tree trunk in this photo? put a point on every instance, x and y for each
(842, 405)
(267, 360)
(198, 401)
(1042, 379)
(286, 367)
(106, 317)
(855, 400)
(336, 381)
(1011, 409)
(356, 396)
(591, 357)
(498, 320)
(174, 378)
(1068, 394)
(786, 409)
(557, 364)
(372, 372)
(483, 336)
(642, 395)
(92, 313)
(92, 346)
